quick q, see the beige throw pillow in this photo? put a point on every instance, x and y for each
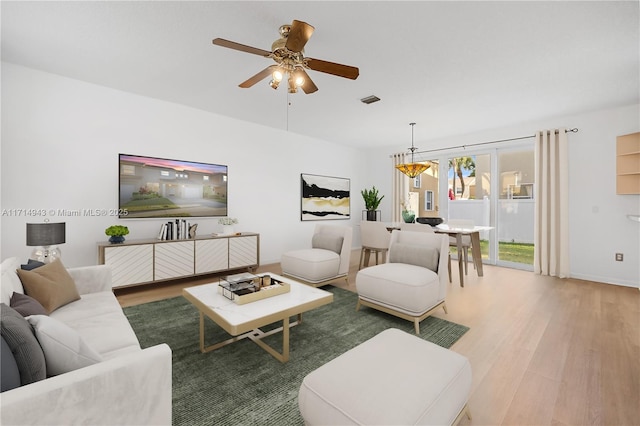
(327, 242)
(51, 285)
(427, 257)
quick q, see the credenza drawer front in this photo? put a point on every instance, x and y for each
(212, 255)
(243, 251)
(130, 264)
(173, 260)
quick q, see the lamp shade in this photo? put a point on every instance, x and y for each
(412, 169)
(45, 234)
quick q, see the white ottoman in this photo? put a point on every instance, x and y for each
(394, 378)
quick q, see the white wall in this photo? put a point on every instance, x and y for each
(61, 137)
(598, 224)
(60, 145)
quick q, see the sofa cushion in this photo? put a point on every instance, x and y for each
(26, 350)
(10, 281)
(99, 320)
(327, 242)
(26, 305)
(9, 372)
(414, 254)
(64, 349)
(51, 285)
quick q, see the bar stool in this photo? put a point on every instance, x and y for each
(375, 238)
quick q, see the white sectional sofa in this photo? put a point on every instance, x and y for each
(128, 386)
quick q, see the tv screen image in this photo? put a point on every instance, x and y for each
(153, 187)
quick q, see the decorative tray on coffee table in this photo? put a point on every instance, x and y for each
(245, 288)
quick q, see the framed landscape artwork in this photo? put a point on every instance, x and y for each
(324, 197)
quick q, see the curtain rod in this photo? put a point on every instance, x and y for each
(574, 130)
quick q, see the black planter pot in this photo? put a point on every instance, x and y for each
(371, 215)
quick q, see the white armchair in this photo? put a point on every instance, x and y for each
(413, 282)
(326, 260)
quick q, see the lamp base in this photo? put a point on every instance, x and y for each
(46, 254)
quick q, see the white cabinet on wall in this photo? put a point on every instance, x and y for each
(146, 261)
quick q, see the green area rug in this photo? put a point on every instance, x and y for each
(241, 384)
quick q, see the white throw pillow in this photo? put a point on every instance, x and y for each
(10, 282)
(64, 349)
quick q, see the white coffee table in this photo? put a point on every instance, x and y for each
(244, 321)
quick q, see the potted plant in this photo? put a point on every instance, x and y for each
(371, 201)
(116, 233)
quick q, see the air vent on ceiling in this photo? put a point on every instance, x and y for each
(370, 99)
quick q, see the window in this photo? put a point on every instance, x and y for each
(428, 200)
(128, 170)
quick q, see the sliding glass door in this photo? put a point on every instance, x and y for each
(491, 187)
(516, 205)
(469, 195)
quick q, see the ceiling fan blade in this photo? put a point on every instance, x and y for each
(241, 47)
(340, 70)
(256, 78)
(308, 86)
(298, 36)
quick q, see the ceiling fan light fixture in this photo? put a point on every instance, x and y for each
(289, 56)
(412, 169)
(293, 88)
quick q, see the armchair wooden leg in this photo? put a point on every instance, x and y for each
(361, 257)
(449, 266)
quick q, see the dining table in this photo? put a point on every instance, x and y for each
(474, 233)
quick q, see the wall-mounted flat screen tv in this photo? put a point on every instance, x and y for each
(158, 188)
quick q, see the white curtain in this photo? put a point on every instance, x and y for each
(551, 232)
(399, 189)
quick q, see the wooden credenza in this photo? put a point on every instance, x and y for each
(136, 262)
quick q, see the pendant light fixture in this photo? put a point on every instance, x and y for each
(412, 169)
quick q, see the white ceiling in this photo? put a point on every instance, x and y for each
(451, 67)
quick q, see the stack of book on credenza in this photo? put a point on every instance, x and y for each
(179, 229)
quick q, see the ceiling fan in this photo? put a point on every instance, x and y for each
(288, 53)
